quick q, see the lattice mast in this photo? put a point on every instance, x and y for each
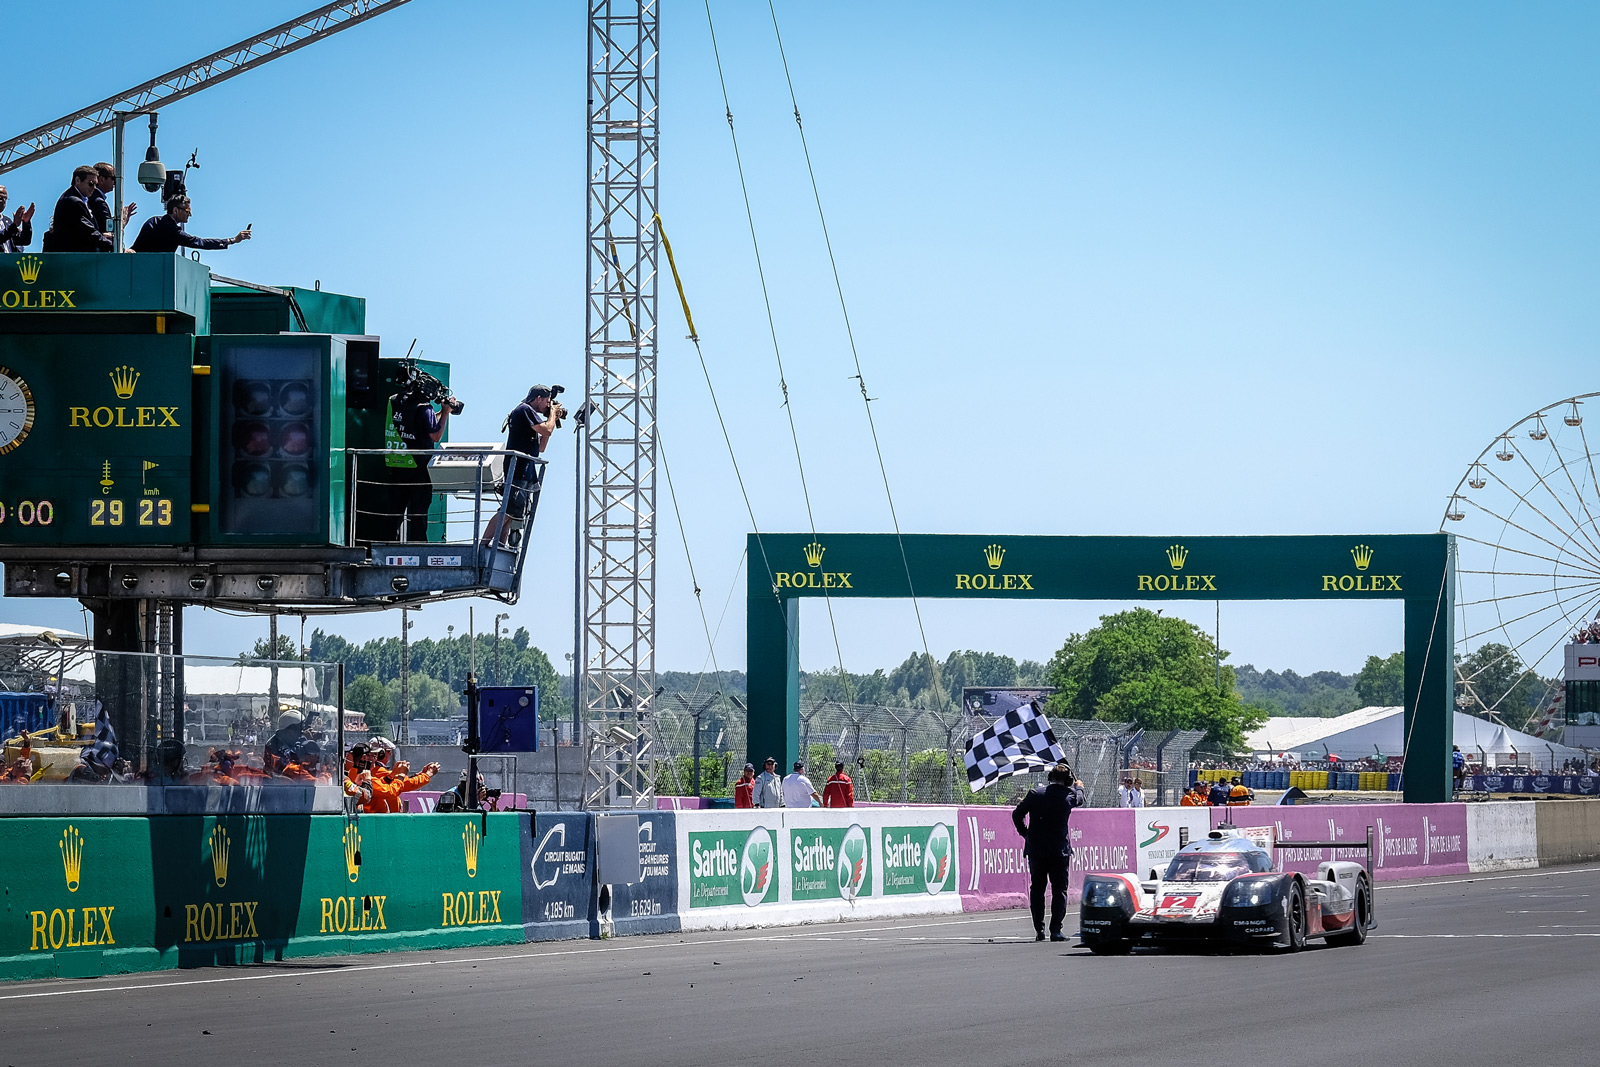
(617, 564)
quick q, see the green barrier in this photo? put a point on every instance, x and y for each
(107, 895)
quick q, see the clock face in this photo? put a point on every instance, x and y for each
(16, 410)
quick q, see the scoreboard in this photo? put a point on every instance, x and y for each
(125, 421)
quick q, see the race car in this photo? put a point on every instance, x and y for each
(1225, 889)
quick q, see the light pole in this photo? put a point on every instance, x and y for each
(405, 676)
(499, 678)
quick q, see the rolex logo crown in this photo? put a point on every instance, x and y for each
(29, 267)
(469, 844)
(1362, 555)
(994, 555)
(219, 855)
(352, 851)
(1176, 554)
(814, 553)
(72, 856)
(123, 380)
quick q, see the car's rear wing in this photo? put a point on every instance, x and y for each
(1265, 836)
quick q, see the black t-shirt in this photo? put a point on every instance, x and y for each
(520, 435)
(416, 421)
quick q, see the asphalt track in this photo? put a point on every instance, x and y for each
(1476, 969)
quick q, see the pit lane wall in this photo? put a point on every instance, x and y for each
(93, 896)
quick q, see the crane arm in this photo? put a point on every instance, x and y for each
(186, 81)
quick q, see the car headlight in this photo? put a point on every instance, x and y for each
(1251, 892)
(1103, 893)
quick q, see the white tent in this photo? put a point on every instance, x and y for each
(1381, 731)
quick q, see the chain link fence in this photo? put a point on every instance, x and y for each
(908, 755)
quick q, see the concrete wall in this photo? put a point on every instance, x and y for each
(1569, 831)
(1502, 835)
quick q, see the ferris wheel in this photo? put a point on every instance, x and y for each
(1528, 561)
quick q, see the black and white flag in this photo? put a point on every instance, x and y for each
(1019, 741)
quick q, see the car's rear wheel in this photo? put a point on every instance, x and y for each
(1295, 938)
(1119, 946)
(1357, 933)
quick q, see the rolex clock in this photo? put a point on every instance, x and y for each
(16, 410)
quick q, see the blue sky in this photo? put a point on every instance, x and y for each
(1113, 268)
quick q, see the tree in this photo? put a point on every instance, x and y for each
(1156, 672)
(1496, 680)
(367, 695)
(263, 649)
(1382, 682)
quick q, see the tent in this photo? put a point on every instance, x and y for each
(1381, 731)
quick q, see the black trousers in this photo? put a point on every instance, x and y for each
(413, 495)
(1053, 868)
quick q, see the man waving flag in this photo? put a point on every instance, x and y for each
(1018, 742)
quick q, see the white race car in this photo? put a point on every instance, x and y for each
(1225, 889)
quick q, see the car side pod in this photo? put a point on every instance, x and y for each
(1261, 910)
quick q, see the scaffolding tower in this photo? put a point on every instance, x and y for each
(616, 635)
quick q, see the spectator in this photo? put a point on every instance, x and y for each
(798, 792)
(1122, 792)
(1238, 794)
(744, 790)
(165, 233)
(72, 226)
(1135, 793)
(1458, 764)
(105, 181)
(16, 233)
(769, 786)
(839, 792)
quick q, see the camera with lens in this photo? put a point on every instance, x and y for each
(557, 410)
(419, 382)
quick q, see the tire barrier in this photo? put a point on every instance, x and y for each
(1345, 781)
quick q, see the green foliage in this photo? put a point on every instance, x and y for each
(1157, 672)
(263, 649)
(1382, 682)
(445, 663)
(676, 777)
(1501, 683)
(1324, 693)
(365, 694)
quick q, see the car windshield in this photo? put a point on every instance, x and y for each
(1207, 867)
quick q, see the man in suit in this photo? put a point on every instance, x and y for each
(16, 233)
(1041, 818)
(72, 226)
(105, 181)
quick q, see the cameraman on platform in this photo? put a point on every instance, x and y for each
(528, 429)
(418, 425)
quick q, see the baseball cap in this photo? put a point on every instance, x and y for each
(538, 390)
(799, 765)
(770, 759)
(749, 766)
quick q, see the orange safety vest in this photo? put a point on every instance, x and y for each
(1188, 801)
(1237, 796)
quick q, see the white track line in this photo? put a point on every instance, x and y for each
(812, 933)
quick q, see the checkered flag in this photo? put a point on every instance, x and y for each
(1018, 742)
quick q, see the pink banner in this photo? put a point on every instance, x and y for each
(994, 869)
(1408, 839)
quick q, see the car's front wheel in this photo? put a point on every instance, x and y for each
(1357, 933)
(1295, 908)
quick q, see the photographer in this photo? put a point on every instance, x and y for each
(417, 426)
(1041, 818)
(528, 429)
